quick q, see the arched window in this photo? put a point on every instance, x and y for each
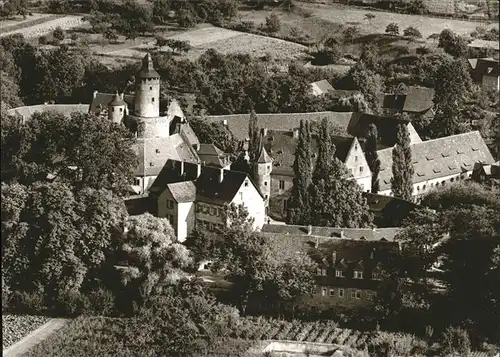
(153, 100)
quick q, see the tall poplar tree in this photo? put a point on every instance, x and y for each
(325, 152)
(335, 198)
(372, 156)
(402, 167)
(253, 135)
(298, 205)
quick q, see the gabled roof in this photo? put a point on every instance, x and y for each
(182, 127)
(321, 87)
(416, 100)
(439, 158)
(211, 155)
(183, 191)
(387, 205)
(65, 109)
(174, 109)
(365, 234)
(208, 186)
(281, 146)
(101, 100)
(486, 67)
(238, 123)
(153, 153)
(478, 43)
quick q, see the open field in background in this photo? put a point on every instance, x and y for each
(18, 21)
(40, 26)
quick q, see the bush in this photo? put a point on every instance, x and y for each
(101, 302)
(59, 34)
(423, 50)
(456, 340)
(27, 303)
(42, 40)
(416, 7)
(245, 26)
(392, 29)
(273, 23)
(72, 304)
(412, 32)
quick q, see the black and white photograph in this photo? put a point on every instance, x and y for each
(250, 178)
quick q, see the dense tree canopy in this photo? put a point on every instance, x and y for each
(402, 165)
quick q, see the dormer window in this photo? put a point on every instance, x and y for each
(358, 274)
(339, 273)
(321, 272)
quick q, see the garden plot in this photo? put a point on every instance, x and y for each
(34, 28)
(15, 327)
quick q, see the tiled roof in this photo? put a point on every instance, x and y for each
(117, 101)
(321, 87)
(182, 127)
(368, 234)
(211, 155)
(484, 44)
(147, 69)
(281, 146)
(183, 191)
(65, 109)
(238, 123)
(153, 153)
(486, 66)
(439, 157)
(174, 109)
(208, 186)
(264, 157)
(416, 100)
(331, 253)
(101, 100)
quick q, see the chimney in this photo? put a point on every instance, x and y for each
(94, 94)
(295, 133)
(121, 96)
(342, 234)
(309, 229)
(198, 170)
(334, 256)
(182, 168)
(221, 174)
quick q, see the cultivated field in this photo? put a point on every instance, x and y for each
(220, 39)
(40, 25)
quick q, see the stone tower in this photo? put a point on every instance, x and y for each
(147, 95)
(117, 109)
(262, 174)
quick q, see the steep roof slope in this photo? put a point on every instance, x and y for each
(439, 157)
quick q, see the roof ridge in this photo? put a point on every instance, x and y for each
(275, 114)
(434, 140)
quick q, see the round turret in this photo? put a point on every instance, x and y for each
(147, 95)
(116, 109)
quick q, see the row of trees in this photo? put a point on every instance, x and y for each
(322, 192)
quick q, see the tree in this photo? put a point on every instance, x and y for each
(369, 83)
(350, 33)
(9, 91)
(59, 238)
(412, 32)
(372, 156)
(148, 257)
(298, 203)
(392, 29)
(59, 34)
(402, 165)
(495, 129)
(254, 136)
(186, 19)
(456, 340)
(110, 35)
(335, 199)
(452, 43)
(161, 10)
(273, 23)
(214, 133)
(85, 151)
(451, 92)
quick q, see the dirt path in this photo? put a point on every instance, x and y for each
(34, 338)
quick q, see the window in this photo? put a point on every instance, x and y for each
(170, 204)
(121, 110)
(418, 188)
(423, 187)
(246, 183)
(282, 185)
(361, 169)
(339, 273)
(212, 211)
(137, 182)
(355, 158)
(265, 183)
(170, 218)
(356, 294)
(353, 294)
(332, 292)
(321, 272)
(153, 100)
(150, 88)
(265, 197)
(375, 275)
(358, 274)
(268, 168)
(113, 110)
(341, 293)
(452, 179)
(323, 291)
(241, 196)
(157, 151)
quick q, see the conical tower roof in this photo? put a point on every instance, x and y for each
(117, 101)
(264, 158)
(147, 69)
